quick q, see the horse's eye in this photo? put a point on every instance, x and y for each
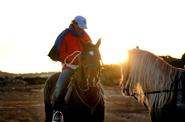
(91, 53)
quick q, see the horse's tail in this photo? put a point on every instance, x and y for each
(48, 91)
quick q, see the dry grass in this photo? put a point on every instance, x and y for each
(21, 98)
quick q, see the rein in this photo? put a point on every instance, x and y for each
(155, 92)
(175, 82)
(161, 91)
(92, 108)
(70, 64)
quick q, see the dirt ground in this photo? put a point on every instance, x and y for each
(25, 104)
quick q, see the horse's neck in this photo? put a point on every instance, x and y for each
(87, 94)
(153, 85)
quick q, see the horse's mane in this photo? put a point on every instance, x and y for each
(148, 72)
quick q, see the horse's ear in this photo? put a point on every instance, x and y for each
(98, 43)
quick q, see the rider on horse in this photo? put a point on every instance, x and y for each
(69, 47)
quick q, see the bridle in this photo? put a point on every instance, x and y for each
(90, 84)
(176, 89)
(76, 54)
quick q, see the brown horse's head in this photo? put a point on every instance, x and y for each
(89, 70)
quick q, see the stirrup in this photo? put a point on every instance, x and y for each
(57, 117)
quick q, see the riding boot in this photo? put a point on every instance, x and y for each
(57, 111)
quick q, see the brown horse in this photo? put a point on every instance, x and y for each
(84, 96)
(156, 84)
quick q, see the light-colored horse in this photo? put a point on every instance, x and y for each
(156, 84)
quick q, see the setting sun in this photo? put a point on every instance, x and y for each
(114, 57)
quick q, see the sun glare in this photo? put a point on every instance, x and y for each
(114, 57)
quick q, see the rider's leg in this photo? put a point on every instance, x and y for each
(58, 94)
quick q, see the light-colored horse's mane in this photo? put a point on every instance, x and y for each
(147, 73)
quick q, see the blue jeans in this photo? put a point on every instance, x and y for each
(61, 83)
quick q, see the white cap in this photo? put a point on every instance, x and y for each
(81, 21)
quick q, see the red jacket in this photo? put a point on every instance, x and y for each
(71, 43)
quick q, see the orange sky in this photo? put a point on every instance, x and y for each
(28, 29)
